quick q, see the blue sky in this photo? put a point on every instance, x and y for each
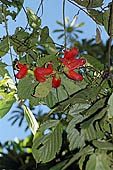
(51, 13)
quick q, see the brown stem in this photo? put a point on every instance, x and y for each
(110, 35)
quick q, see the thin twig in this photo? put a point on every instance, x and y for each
(65, 44)
(41, 4)
(26, 27)
(73, 3)
(9, 44)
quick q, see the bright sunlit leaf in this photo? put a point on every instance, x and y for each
(31, 120)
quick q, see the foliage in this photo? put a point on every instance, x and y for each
(77, 132)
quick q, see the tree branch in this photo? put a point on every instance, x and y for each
(110, 34)
(73, 3)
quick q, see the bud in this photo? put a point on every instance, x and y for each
(56, 81)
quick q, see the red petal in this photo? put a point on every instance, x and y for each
(22, 72)
(71, 54)
(63, 60)
(76, 63)
(56, 82)
(19, 65)
(39, 77)
(74, 75)
(44, 71)
(73, 63)
(49, 69)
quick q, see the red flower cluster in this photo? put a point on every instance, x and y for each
(22, 70)
(40, 73)
(71, 64)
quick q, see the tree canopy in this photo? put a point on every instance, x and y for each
(73, 78)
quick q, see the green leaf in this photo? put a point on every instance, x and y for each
(90, 3)
(96, 106)
(17, 4)
(23, 41)
(6, 2)
(26, 87)
(91, 164)
(98, 36)
(4, 46)
(7, 81)
(16, 7)
(99, 114)
(87, 95)
(32, 123)
(84, 96)
(75, 138)
(94, 62)
(33, 20)
(102, 144)
(58, 166)
(98, 162)
(43, 89)
(69, 85)
(90, 133)
(48, 58)
(50, 46)
(57, 95)
(44, 34)
(106, 23)
(17, 41)
(19, 35)
(46, 146)
(48, 125)
(1, 14)
(86, 150)
(101, 18)
(6, 103)
(50, 100)
(3, 70)
(81, 161)
(61, 93)
(110, 106)
(78, 108)
(96, 15)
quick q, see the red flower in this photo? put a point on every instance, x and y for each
(72, 63)
(74, 75)
(71, 54)
(22, 70)
(39, 77)
(41, 72)
(56, 81)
